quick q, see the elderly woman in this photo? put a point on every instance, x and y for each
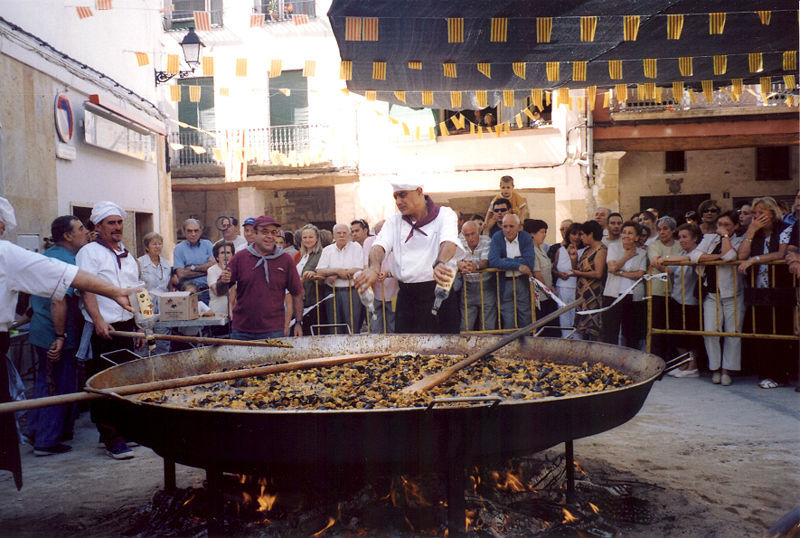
(764, 242)
(590, 269)
(723, 304)
(307, 260)
(664, 246)
(708, 212)
(156, 273)
(542, 271)
(566, 282)
(626, 264)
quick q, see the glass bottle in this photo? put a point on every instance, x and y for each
(441, 292)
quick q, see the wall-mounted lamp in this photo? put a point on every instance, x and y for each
(191, 46)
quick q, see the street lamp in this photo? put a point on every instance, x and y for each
(191, 46)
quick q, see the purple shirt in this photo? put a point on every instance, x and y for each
(259, 305)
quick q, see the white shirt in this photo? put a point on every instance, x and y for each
(513, 251)
(725, 274)
(217, 303)
(565, 266)
(96, 259)
(240, 243)
(688, 295)
(413, 259)
(349, 257)
(616, 284)
(23, 270)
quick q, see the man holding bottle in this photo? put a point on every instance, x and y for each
(423, 238)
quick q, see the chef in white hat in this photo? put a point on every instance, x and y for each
(23, 270)
(423, 237)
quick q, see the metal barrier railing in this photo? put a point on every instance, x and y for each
(779, 301)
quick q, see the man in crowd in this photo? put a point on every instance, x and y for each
(55, 333)
(338, 263)
(614, 230)
(513, 252)
(247, 231)
(385, 288)
(500, 208)
(551, 252)
(262, 272)
(193, 256)
(601, 217)
(479, 310)
(359, 229)
(230, 233)
(423, 238)
(108, 258)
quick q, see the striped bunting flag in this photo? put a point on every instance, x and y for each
(416, 133)
(103, 5)
(579, 71)
(677, 91)
(449, 69)
(529, 114)
(766, 86)
(379, 70)
(536, 99)
(83, 11)
(650, 67)
(789, 81)
(720, 64)
(173, 64)
(563, 96)
(415, 65)
(431, 133)
(630, 29)
(352, 29)
(208, 66)
(499, 30)
(615, 69)
(649, 90)
(241, 67)
(755, 61)
(716, 23)
(685, 66)
(194, 93)
(508, 98)
(764, 17)
(370, 95)
(310, 68)
(346, 70)
(708, 90)
(607, 99)
(588, 27)
(455, 30)
(674, 26)
(692, 96)
(224, 92)
(458, 121)
(455, 99)
(202, 20)
(443, 129)
(401, 96)
(518, 120)
(427, 98)
(142, 58)
(591, 96)
(544, 27)
(299, 18)
(640, 92)
(480, 98)
(485, 68)
(275, 68)
(622, 92)
(369, 28)
(175, 93)
(790, 60)
(658, 94)
(552, 71)
(256, 20)
(406, 130)
(519, 69)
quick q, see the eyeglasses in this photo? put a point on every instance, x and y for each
(500, 209)
(271, 232)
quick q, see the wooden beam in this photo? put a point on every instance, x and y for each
(278, 184)
(695, 142)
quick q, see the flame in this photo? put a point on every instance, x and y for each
(412, 493)
(187, 501)
(330, 524)
(246, 498)
(265, 501)
(509, 482)
(568, 518)
(594, 508)
(470, 517)
(580, 469)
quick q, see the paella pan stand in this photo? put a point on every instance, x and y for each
(447, 436)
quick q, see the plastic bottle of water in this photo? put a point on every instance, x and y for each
(142, 305)
(441, 292)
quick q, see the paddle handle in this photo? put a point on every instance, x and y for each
(438, 378)
(199, 339)
(127, 390)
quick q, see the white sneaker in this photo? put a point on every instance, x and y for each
(687, 373)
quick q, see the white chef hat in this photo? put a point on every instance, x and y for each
(406, 184)
(7, 214)
(102, 210)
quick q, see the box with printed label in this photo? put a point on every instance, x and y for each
(177, 306)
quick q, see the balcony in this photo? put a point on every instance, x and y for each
(286, 145)
(285, 10)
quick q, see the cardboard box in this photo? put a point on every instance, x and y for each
(177, 306)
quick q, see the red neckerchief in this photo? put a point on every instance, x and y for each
(433, 212)
(119, 257)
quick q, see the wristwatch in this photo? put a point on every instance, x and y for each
(193, 267)
(437, 262)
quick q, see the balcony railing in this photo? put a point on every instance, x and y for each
(722, 97)
(287, 145)
(285, 10)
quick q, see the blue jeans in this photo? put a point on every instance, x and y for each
(48, 425)
(241, 335)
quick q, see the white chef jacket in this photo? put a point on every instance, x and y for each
(96, 259)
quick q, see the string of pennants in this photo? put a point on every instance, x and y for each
(84, 12)
(202, 19)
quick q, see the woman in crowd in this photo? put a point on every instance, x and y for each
(566, 282)
(648, 220)
(722, 291)
(683, 304)
(664, 246)
(542, 271)
(708, 212)
(590, 269)
(221, 305)
(763, 242)
(626, 264)
(310, 252)
(156, 273)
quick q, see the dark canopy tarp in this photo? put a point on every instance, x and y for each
(417, 31)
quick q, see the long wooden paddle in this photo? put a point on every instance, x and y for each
(138, 388)
(439, 377)
(201, 339)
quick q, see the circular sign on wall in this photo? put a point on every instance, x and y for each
(64, 119)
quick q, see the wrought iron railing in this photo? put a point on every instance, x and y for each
(722, 97)
(285, 10)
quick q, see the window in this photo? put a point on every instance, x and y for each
(283, 10)
(485, 117)
(675, 161)
(200, 115)
(289, 109)
(773, 163)
(183, 12)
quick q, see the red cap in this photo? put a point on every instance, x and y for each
(265, 220)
